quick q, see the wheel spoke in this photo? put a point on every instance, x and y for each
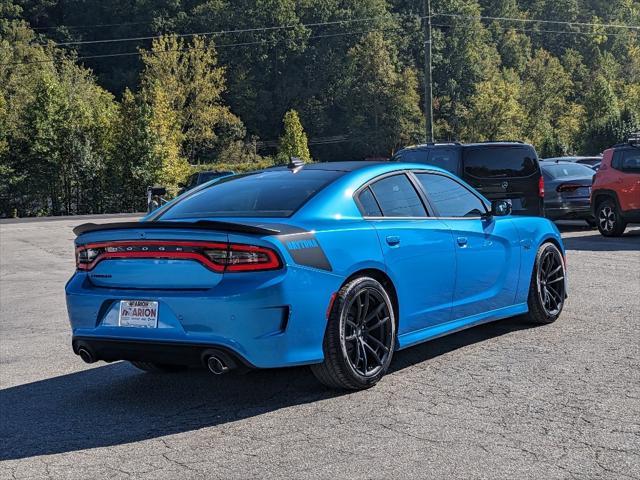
(350, 338)
(555, 280)
(364, 356)
(555, 270)
(374, 313)
(378, 324)
(378, 343)
(377, 359)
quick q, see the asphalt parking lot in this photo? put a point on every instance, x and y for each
(505, 400)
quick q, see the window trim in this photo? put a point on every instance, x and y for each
(368, 183)
(432, 172)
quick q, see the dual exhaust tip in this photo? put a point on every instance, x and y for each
(216, 362)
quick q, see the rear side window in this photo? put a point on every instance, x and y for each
(445, 158)
(450, 198)
(631, 161)
(271, 193)
(368, 204)
(499, 162)
(397, 197)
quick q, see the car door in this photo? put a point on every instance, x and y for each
(487, 249)
(418, 250)
(627, 182)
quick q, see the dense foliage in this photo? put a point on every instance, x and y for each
(86, 124)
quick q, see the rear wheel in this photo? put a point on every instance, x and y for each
(360, 338)
(610, 223)
(547, 291)
(158, 367)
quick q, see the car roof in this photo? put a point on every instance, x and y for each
(571, 158)
(505, 143)
(334, 166)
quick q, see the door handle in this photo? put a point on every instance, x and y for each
(393, 240)
(462, 241)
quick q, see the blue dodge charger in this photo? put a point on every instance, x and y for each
(333, 265)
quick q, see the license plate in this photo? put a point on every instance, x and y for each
(138, 313)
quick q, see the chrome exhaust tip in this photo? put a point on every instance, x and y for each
(216, 365)
(86, 355)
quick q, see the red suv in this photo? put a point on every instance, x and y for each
(615, 196)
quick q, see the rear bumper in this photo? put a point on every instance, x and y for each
(568, 212)
(269, 320)
(113, 349)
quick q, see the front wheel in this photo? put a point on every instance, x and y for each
(547, 291)
(360, 338)
(610, 223)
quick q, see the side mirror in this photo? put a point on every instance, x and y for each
(500, 208)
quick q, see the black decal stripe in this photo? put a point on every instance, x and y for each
(312, 256)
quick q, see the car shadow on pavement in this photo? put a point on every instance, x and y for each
(630, 241)
(116, 404)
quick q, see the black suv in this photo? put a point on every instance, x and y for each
(199, 178)
(499, 170)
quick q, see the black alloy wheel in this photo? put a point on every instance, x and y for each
(548, 289)
(360, 337)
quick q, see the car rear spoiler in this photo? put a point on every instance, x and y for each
(199, 225)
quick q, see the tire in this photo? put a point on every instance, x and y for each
(360, 337)
(610, 223)
(158, 367)
(547, 291)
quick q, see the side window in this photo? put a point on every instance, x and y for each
(450, 198)
(368, 204)
(446, 158)
(397, 197)
(616, 162)
(631, 161)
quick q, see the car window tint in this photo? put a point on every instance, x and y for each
(567, 170)
(270, 193)
(412, 155)
(368, 203)
(444, 158)
(631, 161)
(450, 198)
(499, 162)
(397, 197)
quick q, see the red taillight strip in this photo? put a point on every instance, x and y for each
(271, 264)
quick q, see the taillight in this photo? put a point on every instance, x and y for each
(219, 257)
(567, 187)
(242, 258)
(541, 187)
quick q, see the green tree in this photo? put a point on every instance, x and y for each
(380, 98)
(293, 142)
(496, 112)
(552, 119)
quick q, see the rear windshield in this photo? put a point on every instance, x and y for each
(567, 170)
(499, 162)
(271, 193)
(411, 155)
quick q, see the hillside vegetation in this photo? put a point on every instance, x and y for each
(100, 99)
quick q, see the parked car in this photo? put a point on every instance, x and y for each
(595, 167)
(567, 191)
(333, 265)
(615, 198)
(199, 178)
(590, 160)
(499, 170)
